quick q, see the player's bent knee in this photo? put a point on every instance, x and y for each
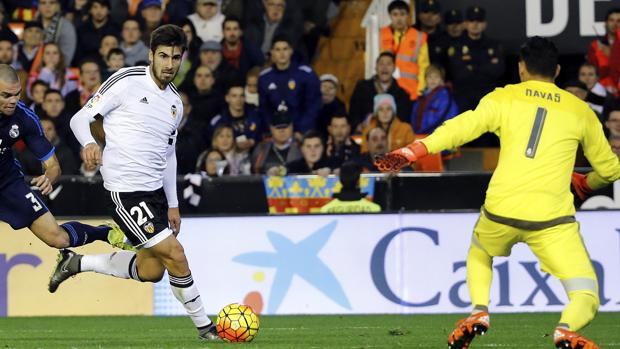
(176, 254)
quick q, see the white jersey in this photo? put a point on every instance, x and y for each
(140, 122)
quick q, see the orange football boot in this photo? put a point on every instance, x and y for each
(466, 329)
(566, 339)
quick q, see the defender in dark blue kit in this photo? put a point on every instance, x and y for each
(20, 206)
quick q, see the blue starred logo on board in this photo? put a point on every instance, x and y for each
(301, 259)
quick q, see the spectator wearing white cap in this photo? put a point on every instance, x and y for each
(330, 104)
(384, 116)
(361, 104)
(208, 20)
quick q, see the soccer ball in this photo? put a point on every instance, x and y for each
(237, 323)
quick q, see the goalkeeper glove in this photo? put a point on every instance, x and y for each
(580, 184)
(399, 158)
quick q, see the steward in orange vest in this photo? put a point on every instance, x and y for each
(410, 47)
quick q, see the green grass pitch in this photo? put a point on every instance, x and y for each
(279, 332)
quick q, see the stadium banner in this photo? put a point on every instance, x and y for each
(382, 263)
(26, 264)
(572, 25)
(306, 194)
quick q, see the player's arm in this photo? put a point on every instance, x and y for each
(451, 134)
(598, 152)
(44, 151)
(97, 107)
(170, 187)
(52, 173)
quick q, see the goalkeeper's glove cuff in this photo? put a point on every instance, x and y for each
(580, 184)
(413, 151)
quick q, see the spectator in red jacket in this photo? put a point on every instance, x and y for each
(600, 50)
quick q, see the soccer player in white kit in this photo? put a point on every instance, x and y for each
(141, 110)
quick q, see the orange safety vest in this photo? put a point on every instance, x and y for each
(407, 54)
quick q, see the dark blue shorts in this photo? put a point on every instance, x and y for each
(20, 206)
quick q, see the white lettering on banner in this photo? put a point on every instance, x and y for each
(533, 17)
(602, 201)
(355, 264)
(588, 26)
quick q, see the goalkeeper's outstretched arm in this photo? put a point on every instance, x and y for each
(452, 134)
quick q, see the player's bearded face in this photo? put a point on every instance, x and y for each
(165, 63)
(9, 96)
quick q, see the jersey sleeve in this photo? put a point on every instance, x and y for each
(468, 125)
(102, 104)
(34, 137)
(107, 98)
(597, 150)
(110, 95)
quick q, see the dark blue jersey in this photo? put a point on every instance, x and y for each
(298, 88)
(23, 125)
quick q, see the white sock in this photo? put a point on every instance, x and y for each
(119, 264)
(187, 293)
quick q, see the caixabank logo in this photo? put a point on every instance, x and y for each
(8, 263)
(538, 280)
(375, 283)
(301, 259)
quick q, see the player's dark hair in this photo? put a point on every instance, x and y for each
(611, 11)
(281, 38)
(310, 135)
(398, 5)
(115, 51)
(51, 91)
(232, 19)
(350, 175)
(540, 56)
(386, 54)
(168, 35)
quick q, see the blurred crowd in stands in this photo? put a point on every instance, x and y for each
(252, 102)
